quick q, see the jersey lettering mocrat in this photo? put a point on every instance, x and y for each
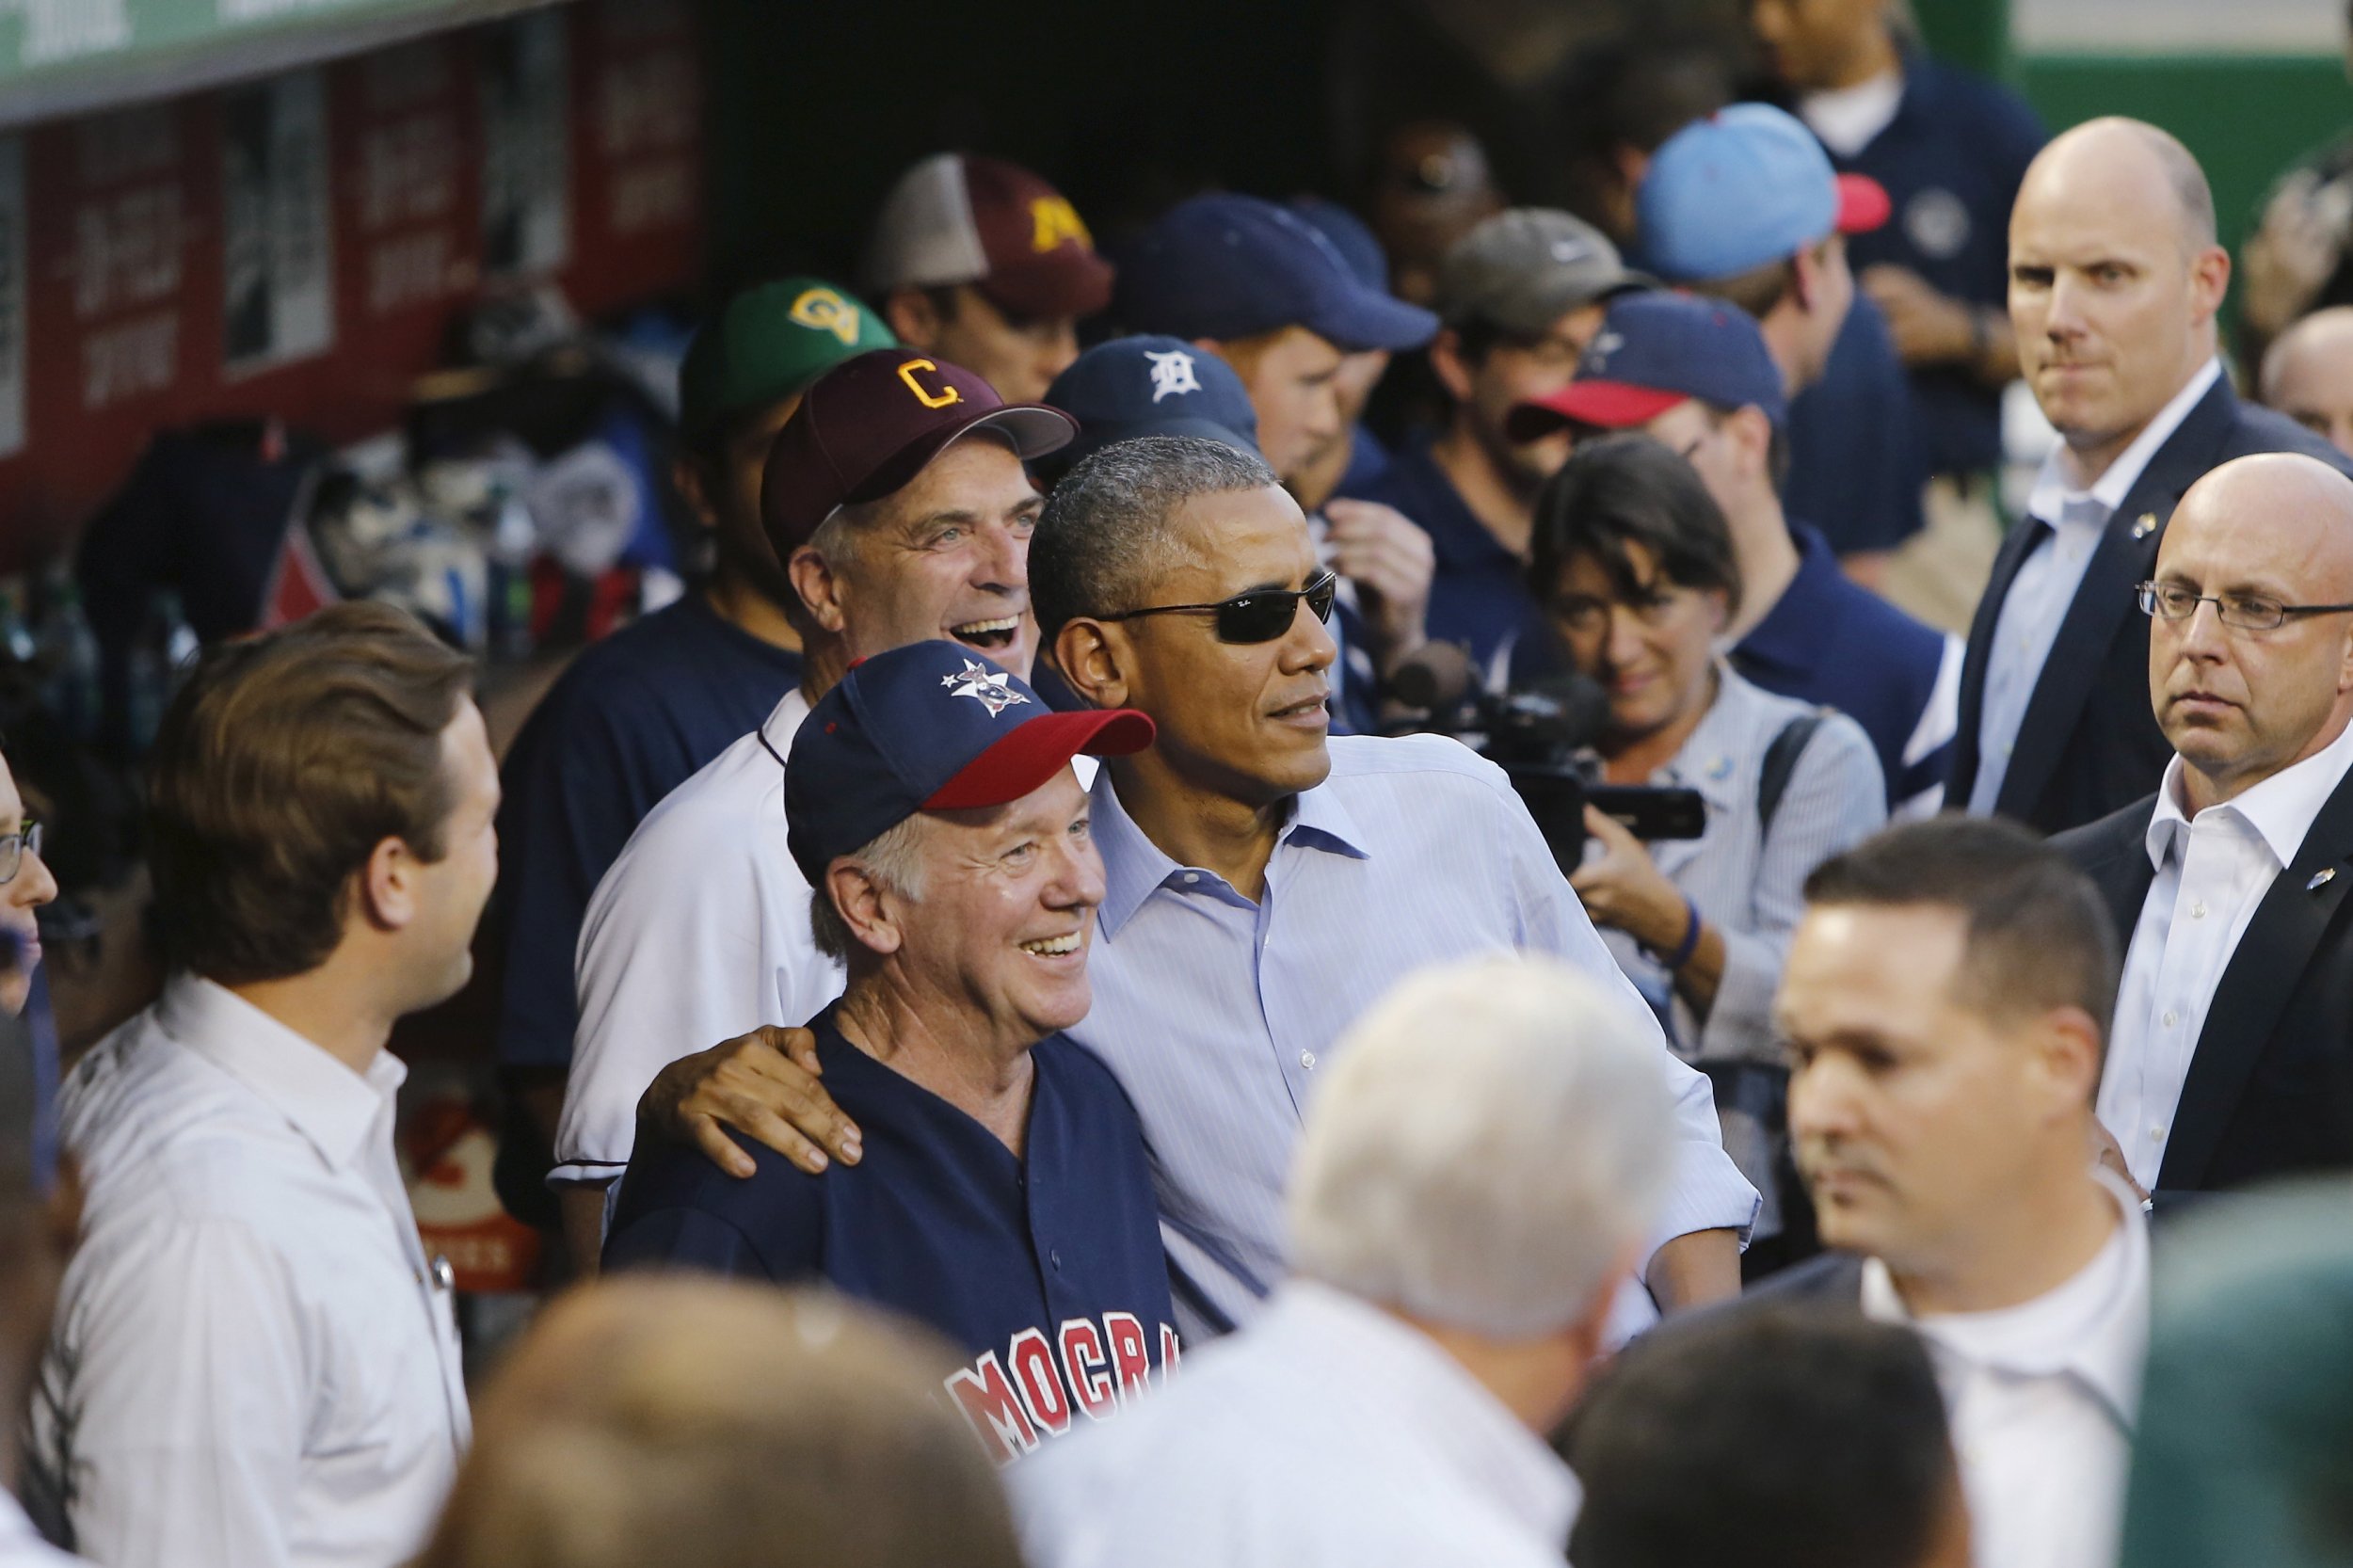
(1088, 1368)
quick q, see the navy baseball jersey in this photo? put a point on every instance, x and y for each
(1044, 1270)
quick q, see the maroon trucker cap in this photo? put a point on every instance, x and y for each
(868, 425)
(956, 217)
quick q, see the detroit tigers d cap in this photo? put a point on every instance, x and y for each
(931, 727)
(1745, 186)
(1148, 386)
(1653, 351)
(1224, 266)
(869, 425)
(957, 219)
(1523, 270)
(767, 343)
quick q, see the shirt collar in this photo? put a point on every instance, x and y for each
(2281, 808)
(784, 721)
(2101, 1345)
(1489, 1448)
(332, 1106)
(1712, 757)
(1789, 636)
(2052, 489)
(1134, 867)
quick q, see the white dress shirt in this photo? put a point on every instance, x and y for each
(253, 1364)
(698, 932)
(1326, 1433)
(2041, 1399)
(2211, 872)
(2045, 589)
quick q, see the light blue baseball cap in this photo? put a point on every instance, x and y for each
(1743, 187)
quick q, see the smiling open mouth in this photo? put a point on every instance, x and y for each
(989, 635)
(1053, 947)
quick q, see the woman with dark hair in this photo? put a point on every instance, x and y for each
(1635, 565)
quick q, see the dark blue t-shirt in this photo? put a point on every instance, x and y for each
(1830, 641)
(1856, 465)
(1044, 1268)
(630, 720)
(1479, 598)
(1951, 160)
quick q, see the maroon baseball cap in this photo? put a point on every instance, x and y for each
(868, 425)
(957, 219)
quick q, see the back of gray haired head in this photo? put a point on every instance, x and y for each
(1495, 1134)
(1108, 531)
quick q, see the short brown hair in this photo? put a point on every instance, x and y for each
(282, 764)
(2037, 937)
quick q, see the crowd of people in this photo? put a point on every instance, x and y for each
(1634, 973)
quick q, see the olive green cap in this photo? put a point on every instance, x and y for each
(768, 343)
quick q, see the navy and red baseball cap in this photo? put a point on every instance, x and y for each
(930, 727)
(1656, 350)
(1224, 266)
(867, 426)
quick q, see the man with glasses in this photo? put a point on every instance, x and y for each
(1263, 881)
(2232, 1057)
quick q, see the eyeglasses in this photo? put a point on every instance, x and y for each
(15, 846)
(1259, 616)
(2246, 611)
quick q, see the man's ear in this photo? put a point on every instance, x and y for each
(686, 475)
(912, 316)
(2209, 280)
(1096, 658)
(820, 587)
(865, 906)
(385, 892)
(1752, 435)
(1805, 282)
(2069, 1055)
(1445, 360)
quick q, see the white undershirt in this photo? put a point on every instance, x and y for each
(1848, 119)
(2211, 872)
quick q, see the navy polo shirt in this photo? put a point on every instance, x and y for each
(1856, 463)
(631, 719)
(1951, 161)
(1044, 1270)
(1830, 641)
(1479, 597)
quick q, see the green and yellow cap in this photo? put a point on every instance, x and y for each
(769, 343)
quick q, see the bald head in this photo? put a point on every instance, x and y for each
(2242, 702)
(2307, 374)
(2113, 282)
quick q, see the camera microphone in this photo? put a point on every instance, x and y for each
(1435, 675)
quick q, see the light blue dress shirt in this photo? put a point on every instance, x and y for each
(1218, 1014)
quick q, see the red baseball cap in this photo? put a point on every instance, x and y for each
(868, 425)
(1864, 205)
(957, 219)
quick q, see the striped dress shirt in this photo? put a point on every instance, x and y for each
(1217, 1014)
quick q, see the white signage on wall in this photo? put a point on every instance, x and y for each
(278, 266)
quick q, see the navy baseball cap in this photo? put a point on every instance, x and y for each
(931, 727)
(1224, 266)
(867, 426)
(1743, 187)
(1148, 386)
(1653, 351)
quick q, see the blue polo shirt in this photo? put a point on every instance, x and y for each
(1951, 160)
(1856, 462)
(1043, 1269)
(1479, 597)
(631, 719)
(1830, 641)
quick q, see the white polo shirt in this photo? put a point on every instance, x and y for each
(698, 932)
(2041, 1399)
(253, 1364)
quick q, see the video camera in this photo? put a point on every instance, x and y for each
(1542, 735)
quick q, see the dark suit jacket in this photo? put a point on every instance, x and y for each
(2088, 743)
(2270, 1085)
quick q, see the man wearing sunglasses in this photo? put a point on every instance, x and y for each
(896, 499)
(2231, 1055)
(1264, 882)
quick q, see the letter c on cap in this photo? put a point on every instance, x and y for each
(930, 399)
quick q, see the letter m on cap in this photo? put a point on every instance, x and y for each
(1053, 220)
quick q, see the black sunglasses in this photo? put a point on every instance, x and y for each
(1259, 616)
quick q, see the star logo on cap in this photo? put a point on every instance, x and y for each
(1172, 372)
(992, 689)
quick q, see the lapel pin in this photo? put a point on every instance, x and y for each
(2146, 525)
(2320, 879)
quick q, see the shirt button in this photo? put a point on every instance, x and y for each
(2171, 1017)
(1308, 1059)
(1055, 1258)
(2198, 910)
(1192, 877)
(2156, 1135)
